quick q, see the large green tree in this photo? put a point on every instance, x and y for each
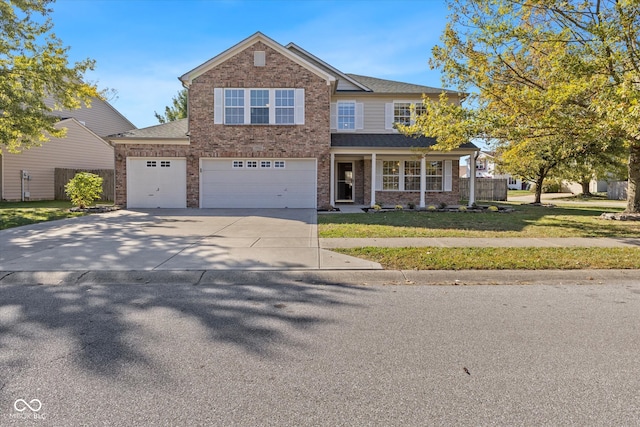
(35, 76)
(177, 110)
(556, 76)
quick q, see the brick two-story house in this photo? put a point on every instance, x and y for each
(272, 126)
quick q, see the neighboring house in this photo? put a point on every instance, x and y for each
(486, 168)
(29, 175)
(272, 126)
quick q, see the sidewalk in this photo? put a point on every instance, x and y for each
(466, 242)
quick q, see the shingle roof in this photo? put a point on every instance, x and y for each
(390, 86)
(381, 140)
(175, 129)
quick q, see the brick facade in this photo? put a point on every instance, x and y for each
(209, 140)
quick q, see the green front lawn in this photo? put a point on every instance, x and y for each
(525, 221)
(499, 258)
(15, 214)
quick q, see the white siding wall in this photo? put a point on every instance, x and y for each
(80, 149)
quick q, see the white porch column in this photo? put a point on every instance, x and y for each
(472, 178)
(423, 179)
(373, 179)
(332, 180)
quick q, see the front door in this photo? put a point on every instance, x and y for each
(345, 182)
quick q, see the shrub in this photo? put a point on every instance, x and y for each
(493, 208)
(462, 208)
(399, 207)
(377, 207)
(83, 189)
(431, 208)
(411, 205)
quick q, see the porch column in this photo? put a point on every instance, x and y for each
(332, 181)
(472, 178)
(423, 179)
(373, 179)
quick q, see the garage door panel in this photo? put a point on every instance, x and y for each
(224, 186)
(156, 183)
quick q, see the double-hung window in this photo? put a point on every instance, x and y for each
(285, 104)
(234, 106)
(434, 176)
(412, 175)
(258, 106)
(405, 175)
(390, 175)
(346, 115)
(402, 113)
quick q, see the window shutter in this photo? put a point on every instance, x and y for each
(299, 110)
(378, 185)
(359, 115)
(447, 176)
(388, 115)
(334, 116)
(218, 106)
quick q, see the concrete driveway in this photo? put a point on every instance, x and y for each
(174, 239)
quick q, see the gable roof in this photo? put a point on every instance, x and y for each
(320, 63)
(188, 77)
(171, 130)
(390, 86)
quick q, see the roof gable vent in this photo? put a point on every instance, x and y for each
(259, 58)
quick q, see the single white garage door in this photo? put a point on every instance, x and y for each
(258, 183)
(156, 182)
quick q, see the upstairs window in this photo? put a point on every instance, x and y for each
(346, 115)
(403, 115)
(258, 106)
(285, 104)
(234, 106)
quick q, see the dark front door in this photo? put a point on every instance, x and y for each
(345, 181)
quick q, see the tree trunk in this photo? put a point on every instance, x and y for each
(585, 188)
(539, 182)
(633, 195)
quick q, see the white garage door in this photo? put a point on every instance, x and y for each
(258, 183)
(156, 183)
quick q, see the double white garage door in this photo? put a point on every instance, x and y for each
(224, 183)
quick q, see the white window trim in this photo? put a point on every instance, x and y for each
(219, 116)
(358, 111)
(389, 112)
(447, 178)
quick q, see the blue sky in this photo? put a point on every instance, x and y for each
(142, 46)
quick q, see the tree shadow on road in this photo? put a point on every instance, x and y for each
(105, 329)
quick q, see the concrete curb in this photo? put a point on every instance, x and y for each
(322, 277)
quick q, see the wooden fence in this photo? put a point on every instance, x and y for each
(487, 189)
(62, 176)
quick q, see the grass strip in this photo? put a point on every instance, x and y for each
(526, 221)
(25, 213)
(432, 258)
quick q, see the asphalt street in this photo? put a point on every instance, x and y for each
(287, 352)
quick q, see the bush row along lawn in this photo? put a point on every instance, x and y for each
(14, 214)
(499, 258)
(525, 221)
